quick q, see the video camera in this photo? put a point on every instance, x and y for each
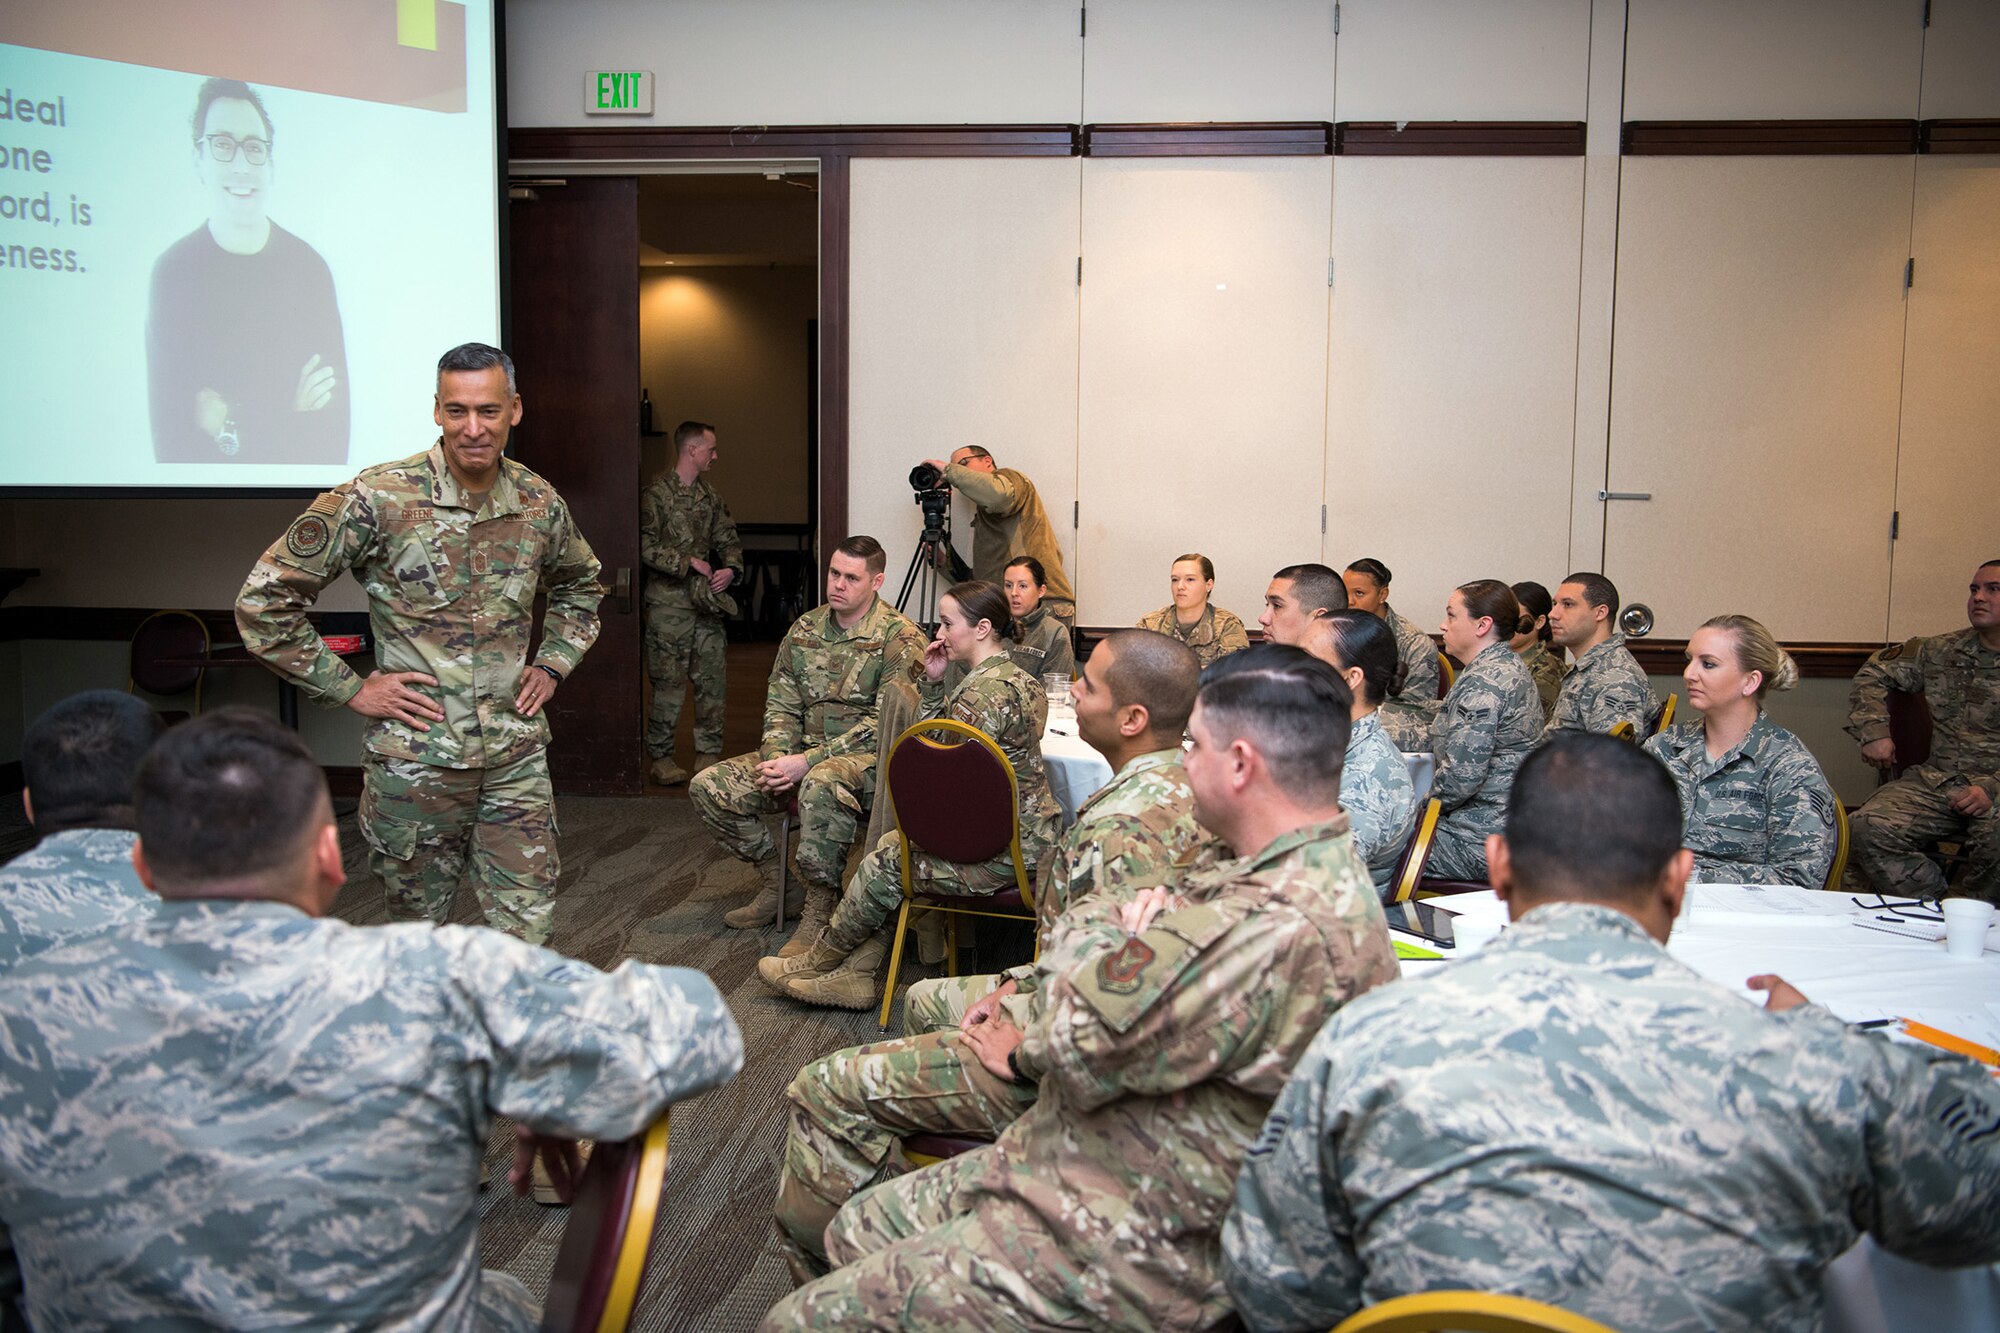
(934, 495)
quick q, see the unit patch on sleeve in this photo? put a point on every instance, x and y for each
(308, 536)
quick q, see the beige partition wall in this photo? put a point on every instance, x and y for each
(1451, 394)
(1463, 59)
(1206, 60)
(1757, 358)
(963, 331)
(1951, 396)
(1773, 59)
(1202, 384)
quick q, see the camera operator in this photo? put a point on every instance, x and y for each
(1008, 520)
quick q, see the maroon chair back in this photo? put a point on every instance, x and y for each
(956, 801)
(1910, 729)
(167, 634)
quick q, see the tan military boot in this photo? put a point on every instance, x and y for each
(822, 957)
(666, 772)
(855, 984)
(705, 761)
(763, 909)
(812, 921)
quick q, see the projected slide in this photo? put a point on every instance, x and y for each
(234, 239)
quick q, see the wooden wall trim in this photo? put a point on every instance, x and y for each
(632, 143)
(117, 623)
(1959, 136)
(834, 198)
(1659, 657)
(1459, 138)
(1731, 138)
(1304, 138)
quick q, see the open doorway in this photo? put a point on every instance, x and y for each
(728, 271)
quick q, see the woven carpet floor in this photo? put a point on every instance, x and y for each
(642, 879)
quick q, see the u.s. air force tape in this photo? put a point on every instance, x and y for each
(307, 536)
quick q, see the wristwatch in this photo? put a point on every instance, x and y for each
(554, 675)
(1014, 1066)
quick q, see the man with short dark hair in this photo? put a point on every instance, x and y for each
(1299, 595)
(245, 358)
(1606, 685)
(851, 1109)
(452, 546)
(77, 760)
(1955, 792)
(233, 1112)
(1008, 519)
(1170, 1015)
(692, 556)
(1574, 1117)
(819, 742)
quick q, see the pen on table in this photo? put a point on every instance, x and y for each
(1874, 1023)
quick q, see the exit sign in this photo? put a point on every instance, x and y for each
(618, 92)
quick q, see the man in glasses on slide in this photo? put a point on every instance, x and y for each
(245, 358)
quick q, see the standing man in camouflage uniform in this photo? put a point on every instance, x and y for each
(851, 1109)
(1575, 1117)
(452, 546)
(78, 759)
(1956, 791)
(1606, 686)
(1008, 519)
(693, 555)
(1170, 1018)
(316, 1097)
(819, 739)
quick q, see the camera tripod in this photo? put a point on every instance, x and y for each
(929, 563)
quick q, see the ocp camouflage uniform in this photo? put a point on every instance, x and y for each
(1419, 653)
(684, 624)
(1605, 687)
(1157, 1057)
(233, 1115)
(1009, 519)
(821, 703)
(1574, 1117)
(1760, 814)
(851, 1109)
(1490, 721)
(451, 593)
(1960, 680)
(70, 883)
(1548, 670)
(1043, 648)
(1007, 704)
(1379, 798)
(1215, 634)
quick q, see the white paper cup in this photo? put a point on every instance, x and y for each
(1469, 937)
(1965, 924)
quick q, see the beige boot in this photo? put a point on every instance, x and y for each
(763, 909)
(812, 921)
(822, 957)
(705, 760)
(666, 772)
(855, 984)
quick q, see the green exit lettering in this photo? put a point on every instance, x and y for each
(617, 90)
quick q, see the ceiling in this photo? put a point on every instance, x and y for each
(735, 220)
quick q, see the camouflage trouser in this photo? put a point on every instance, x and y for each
(505, 1306)
(682, 645)
(937, 1003)
(1900, 820)
(834, 799)
(876, 890)
(1459, 850)
(910, 1256)
(850, 1111)
(422, 823)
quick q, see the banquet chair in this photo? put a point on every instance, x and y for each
(1666, 717)
(609, 1236)
(1447, 675)
(1625, 731)
(1410, 869)
(1838, 870)
(1911, 728)
(958, 801)
(786, 818)
(168, 634)
(1466, 1312)
(929, 1149)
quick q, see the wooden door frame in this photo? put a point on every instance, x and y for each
(635, 151)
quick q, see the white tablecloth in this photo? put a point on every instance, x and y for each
(1857, 973)
(1075, 770)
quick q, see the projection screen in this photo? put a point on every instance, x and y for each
(234, 239)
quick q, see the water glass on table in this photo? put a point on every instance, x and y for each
(1056, 685)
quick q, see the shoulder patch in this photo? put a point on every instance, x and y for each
(308, 535)
(328, 503)
(1119, 973)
